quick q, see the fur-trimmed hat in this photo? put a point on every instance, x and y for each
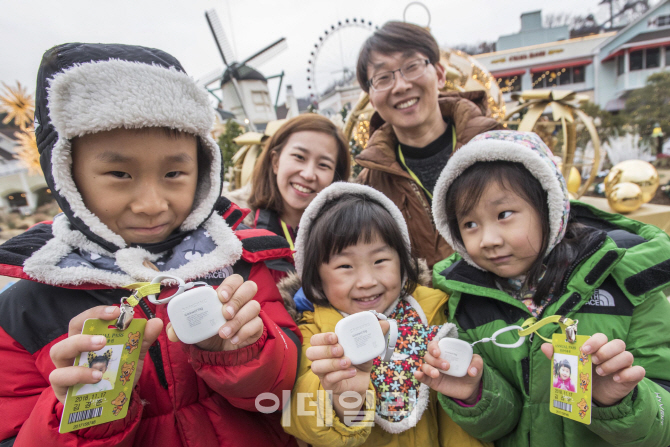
(500, 145)
(87, 88)
(332, 192)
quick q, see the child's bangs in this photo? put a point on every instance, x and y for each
(466, 191)
(346, 223)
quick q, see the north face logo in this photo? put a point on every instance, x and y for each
(601, 298)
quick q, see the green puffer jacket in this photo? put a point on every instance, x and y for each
(614, 287)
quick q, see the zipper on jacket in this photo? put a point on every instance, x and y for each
(525, 372)
(155, 349)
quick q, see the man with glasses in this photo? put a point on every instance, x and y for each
(415, 128)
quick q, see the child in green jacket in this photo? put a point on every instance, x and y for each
(523, 251)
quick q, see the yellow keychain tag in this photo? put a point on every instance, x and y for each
(571, 379)
(87, 405)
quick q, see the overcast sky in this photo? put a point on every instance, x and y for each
(28, 28)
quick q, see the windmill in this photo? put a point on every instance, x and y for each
(244, 90)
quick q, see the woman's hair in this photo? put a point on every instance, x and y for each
(562, 364)
(346, 221)
(396, 37)
(465, 192)
(265, 193)
(94, 358)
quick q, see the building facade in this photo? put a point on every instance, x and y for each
(606, 67)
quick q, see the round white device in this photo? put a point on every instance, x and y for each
(195, 312)
(362, 339)
(196, 315)
(459, 355)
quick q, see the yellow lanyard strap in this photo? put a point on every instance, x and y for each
(141, 289)
(287, 234)
(412, 174)
(531, 325)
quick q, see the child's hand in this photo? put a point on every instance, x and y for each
(243, 325)
(462, 388)
(64, 352)
(333, 369)
(614, 374)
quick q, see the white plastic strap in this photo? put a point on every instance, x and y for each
(391, 339)
(182, 287)
(495, 335)
(391, 335)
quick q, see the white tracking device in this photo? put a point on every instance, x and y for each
(195, 312)
(459, 353)
(362, 338)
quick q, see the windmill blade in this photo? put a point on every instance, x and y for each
(220, 38)
(211, 77)
(266, 53)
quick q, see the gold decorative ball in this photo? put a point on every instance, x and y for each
(575, 180)
(625, 197)
(640, 172)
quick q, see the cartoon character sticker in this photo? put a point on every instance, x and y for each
(118, 403)
(126, 371)
(584, 382)
(133, 341)
(583, 358)
(583, 408)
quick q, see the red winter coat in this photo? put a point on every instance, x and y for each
(185, 396)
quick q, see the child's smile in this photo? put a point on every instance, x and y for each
(365, 276)
(140, 184)
(502, 233)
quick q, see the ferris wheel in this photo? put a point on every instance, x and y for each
(332, 61)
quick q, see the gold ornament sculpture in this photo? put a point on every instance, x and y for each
(18, 105)
(565, 109)
(625, 197)
(20, 108)
(640, 172)
(245, 158)
(463, 74)
(27, 150)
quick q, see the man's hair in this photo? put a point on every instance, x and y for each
(396, 37)
(346, 221)
(265, 193)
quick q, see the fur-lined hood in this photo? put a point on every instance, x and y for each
(88, 88)
(506, 145)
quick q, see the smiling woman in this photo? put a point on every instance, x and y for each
(304, 156)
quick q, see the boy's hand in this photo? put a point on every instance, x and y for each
(64, 352)
(464, 388)
(243, 325)
(614, 375)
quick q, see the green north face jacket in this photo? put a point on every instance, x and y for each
(614, 287)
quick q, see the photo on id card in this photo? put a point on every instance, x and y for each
(570, 392)
(92, 404)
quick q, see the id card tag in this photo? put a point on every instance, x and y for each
(87, 405)
(571, 379)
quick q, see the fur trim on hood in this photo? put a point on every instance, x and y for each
(519, 147)
(89, 88)
(332, 192)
